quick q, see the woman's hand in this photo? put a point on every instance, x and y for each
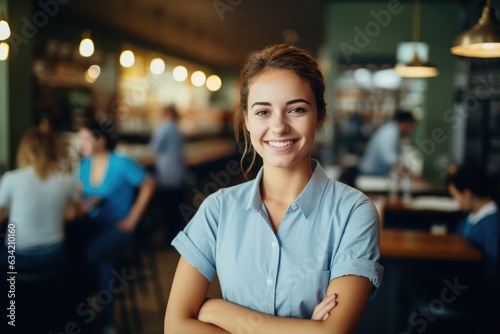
(323, 309)
(127, 225)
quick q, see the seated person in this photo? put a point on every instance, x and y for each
(472, 190)
(475, 192)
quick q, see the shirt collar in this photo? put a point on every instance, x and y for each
(307, 200)
(486, 210)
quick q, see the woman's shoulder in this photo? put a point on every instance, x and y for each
(346, 195)
(240, 193)
(18, 173)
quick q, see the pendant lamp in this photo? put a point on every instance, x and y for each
(416, 68)
(482, 40)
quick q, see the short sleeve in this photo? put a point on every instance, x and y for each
(134, 173)
(5, 191)
(359, 250)
(197, 242)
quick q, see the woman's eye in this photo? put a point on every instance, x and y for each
(297, 111)
(262, 112)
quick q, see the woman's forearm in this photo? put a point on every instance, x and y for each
(191, 326)
(145, 192)
(237, 319)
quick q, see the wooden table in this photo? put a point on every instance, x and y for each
(424, 245)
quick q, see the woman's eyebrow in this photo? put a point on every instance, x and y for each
(288, 103)
(297, 101)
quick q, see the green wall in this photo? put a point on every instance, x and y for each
(439, 25)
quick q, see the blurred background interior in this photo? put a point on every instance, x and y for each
(121, 61)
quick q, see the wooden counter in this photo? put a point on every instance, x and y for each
(196, 153)
(424, 245)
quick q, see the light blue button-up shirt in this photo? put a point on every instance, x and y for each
(330, 230)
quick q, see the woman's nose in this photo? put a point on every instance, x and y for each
(278, 125)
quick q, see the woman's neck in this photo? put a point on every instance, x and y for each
(285, 184)
(99, 155)
(478, 203)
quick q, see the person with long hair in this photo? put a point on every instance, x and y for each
(38, 197)
(294, 251)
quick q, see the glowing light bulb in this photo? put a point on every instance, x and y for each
(157, 66)
(198, 78)
(214, 83)
(4, 30)
(86, 47)
(127, 58)
(4, 51)
(180, 73)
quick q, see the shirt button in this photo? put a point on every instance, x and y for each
(269, 281)
(294, 206)
(274, 244)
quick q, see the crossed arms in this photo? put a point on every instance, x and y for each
(188, 311)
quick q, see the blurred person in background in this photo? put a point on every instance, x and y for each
(38, 197)
(109, 182)
(167, 144)
(383, 151)
(475, 193)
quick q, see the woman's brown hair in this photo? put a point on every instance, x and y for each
(38, 148)
(283, 57)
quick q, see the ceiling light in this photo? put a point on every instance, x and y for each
(127, 58)
(157, 66)
(416, 68)
(86, 48)
(214, 83)
(482, 40)
(4, 51)
(180, 73)
(4, 28)
(198, 78)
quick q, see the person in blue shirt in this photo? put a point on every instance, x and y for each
(109, 183)
(382, 153)
(294, 251)
(475, 193)
(167, 144)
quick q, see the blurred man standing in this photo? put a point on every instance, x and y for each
(167, 144)
(383, 151)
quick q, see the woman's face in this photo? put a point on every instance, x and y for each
(87, 143)
(282, 118)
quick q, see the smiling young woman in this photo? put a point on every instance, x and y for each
(294, 251)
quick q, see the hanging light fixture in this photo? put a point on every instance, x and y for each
(4, 51)
(482, 40)
(127, 57)
(4, 28)
(416, 68)
(86, 48)
(157, 66)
